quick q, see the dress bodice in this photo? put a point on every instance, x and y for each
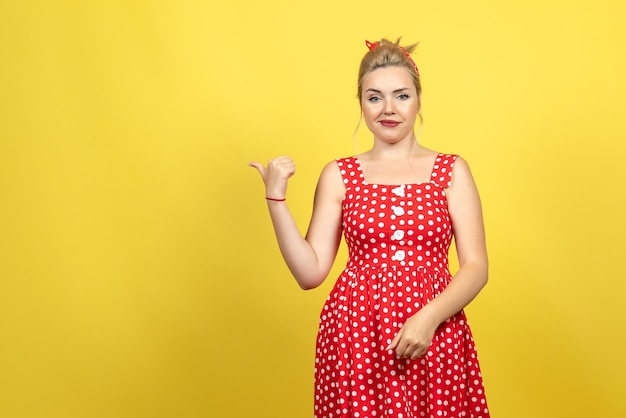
(404, 225)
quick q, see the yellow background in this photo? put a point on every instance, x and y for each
(139, 276)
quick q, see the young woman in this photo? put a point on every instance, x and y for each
(393, 339)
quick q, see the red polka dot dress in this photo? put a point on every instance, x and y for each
(398, 239)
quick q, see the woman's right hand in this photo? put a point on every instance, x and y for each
(276, 175)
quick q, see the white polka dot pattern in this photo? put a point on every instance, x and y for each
(398, 238)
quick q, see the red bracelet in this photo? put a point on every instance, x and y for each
(274, 199)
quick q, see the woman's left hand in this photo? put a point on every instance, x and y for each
(415, 336)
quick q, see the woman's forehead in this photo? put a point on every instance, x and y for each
(388, 78)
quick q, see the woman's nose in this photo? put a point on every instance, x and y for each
(388, 110)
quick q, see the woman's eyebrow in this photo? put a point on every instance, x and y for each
(395, 91)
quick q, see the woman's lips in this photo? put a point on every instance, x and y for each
(389, 123)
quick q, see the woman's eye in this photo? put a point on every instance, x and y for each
(373, 99)
(403, 96)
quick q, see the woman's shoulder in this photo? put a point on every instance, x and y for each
(453, 163)
(341, 165)
(331, 180)
(332, 169)
(431, 153)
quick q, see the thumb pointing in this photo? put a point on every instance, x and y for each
(258, 166)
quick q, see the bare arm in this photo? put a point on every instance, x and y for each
(469, 236)
(415, 336)
(309, 258)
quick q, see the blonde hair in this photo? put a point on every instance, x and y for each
(385, 54)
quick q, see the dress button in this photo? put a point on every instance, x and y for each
(399, 256)
(398, 235)
(398, 210)
(398, 191)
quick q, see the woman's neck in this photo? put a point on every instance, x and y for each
(399, 151)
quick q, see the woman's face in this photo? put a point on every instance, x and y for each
(390, 103)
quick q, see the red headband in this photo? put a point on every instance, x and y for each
(372, 45)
